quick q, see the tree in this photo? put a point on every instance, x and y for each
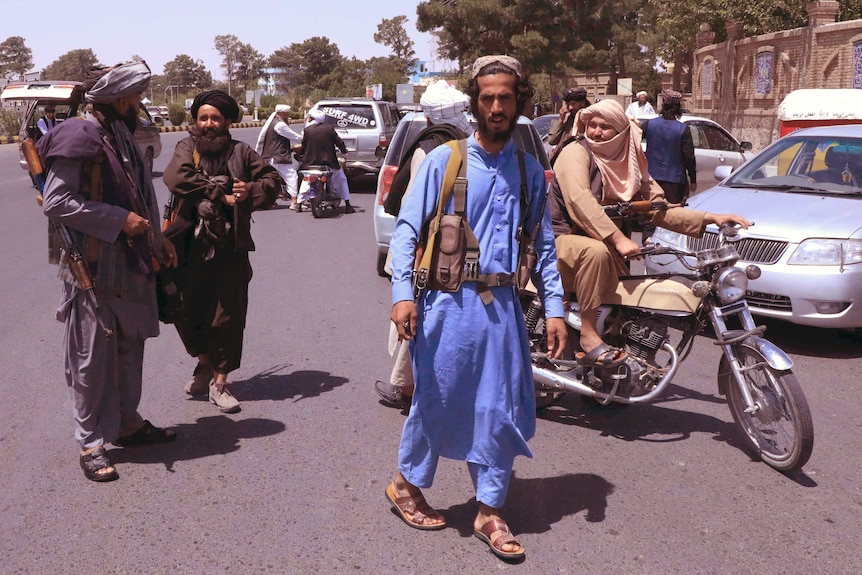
(392, 33)
(184, 71)
(249, 66)
(73, 65)
(228, 46)
(15, 57)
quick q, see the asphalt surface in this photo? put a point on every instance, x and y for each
(294, 482)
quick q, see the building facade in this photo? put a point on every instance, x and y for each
(741, 82)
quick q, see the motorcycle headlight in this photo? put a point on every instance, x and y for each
(730, 285)
(666, 237)
(827, 252)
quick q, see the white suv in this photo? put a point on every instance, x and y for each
(366, 126)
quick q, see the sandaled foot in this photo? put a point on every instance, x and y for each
(97, 466)
(147, 434)
(499, 539)
(602, 355)
(414, 510)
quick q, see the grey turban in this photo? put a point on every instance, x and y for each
(118, 82)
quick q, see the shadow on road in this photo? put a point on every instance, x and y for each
(651, 423)
(812, 341)
(296, 385)
(534, 505)
(208, 436)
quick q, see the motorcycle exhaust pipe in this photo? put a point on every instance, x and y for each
(573, 381)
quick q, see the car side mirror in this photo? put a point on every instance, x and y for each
(745, 146)
(722, 172)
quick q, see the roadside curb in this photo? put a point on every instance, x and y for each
(16, 139)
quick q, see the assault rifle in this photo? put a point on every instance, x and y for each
(73, 255)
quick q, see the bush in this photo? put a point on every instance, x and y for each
(176, 114)
(10, 122)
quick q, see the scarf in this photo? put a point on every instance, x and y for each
(620, 160)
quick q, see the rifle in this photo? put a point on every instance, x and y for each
(625, 209)
(73, 255)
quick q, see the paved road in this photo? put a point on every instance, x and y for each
(294, 482)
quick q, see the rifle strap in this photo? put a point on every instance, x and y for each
(95, 174)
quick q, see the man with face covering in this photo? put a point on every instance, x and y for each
(99, 187)
(218, 182)
(605, 167)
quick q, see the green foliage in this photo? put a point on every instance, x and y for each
(10, 122)
(185, 72)
(15, 57)
(392, 33)
(73, 65)
(176, 114)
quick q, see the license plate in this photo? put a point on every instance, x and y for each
(351, 145)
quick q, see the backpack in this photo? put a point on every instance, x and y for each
(428, 139)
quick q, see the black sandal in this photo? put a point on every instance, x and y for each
(148, 434)
(95, 461)
(611, 356)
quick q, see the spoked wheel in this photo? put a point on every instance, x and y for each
(779, 430)
(316, 208)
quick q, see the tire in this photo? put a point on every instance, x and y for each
(781, 432)
(316, 209)
(381, 265)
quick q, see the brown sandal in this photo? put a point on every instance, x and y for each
(498, 525)
(416, 507)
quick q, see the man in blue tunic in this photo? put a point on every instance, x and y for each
(474, 397)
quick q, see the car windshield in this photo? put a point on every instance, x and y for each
(350, 116)
(805, 164)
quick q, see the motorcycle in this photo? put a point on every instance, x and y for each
(767, 403)
(322, 197)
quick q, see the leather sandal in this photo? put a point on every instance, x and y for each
(496, 545)
(96, 460)
(147, 434)
(613, 356)
(417, 509)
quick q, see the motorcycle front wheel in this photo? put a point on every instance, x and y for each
(780, 431)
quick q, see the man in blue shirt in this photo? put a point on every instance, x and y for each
(474, 398)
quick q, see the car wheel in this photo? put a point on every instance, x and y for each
(381, 265)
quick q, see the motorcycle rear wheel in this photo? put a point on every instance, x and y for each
(780, 432)
(316, 208)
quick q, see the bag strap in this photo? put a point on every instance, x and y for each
(454, 167)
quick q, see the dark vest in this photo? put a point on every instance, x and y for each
(275, 147)
(560, 220)
(664, 155)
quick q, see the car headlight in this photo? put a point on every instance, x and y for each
(827, 252)
(668, 238)
(730, 285)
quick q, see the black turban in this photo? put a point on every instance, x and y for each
(219, 100)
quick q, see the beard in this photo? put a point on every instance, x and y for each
(503, 136)
(211, 142)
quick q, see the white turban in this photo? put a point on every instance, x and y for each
(445, 104)
(282, 108)
(316, 116)
(120, 82)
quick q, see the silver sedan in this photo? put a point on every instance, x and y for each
(803, 193)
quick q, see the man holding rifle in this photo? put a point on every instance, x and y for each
(99, 194)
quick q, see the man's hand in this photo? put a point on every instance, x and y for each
(167, 253)
(404, 317)
(555, 328)
(624, 246)
(240, 194)
(135, 225)
(719, 219)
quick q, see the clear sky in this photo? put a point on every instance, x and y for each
(159, 30)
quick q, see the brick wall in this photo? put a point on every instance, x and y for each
(740, 82)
